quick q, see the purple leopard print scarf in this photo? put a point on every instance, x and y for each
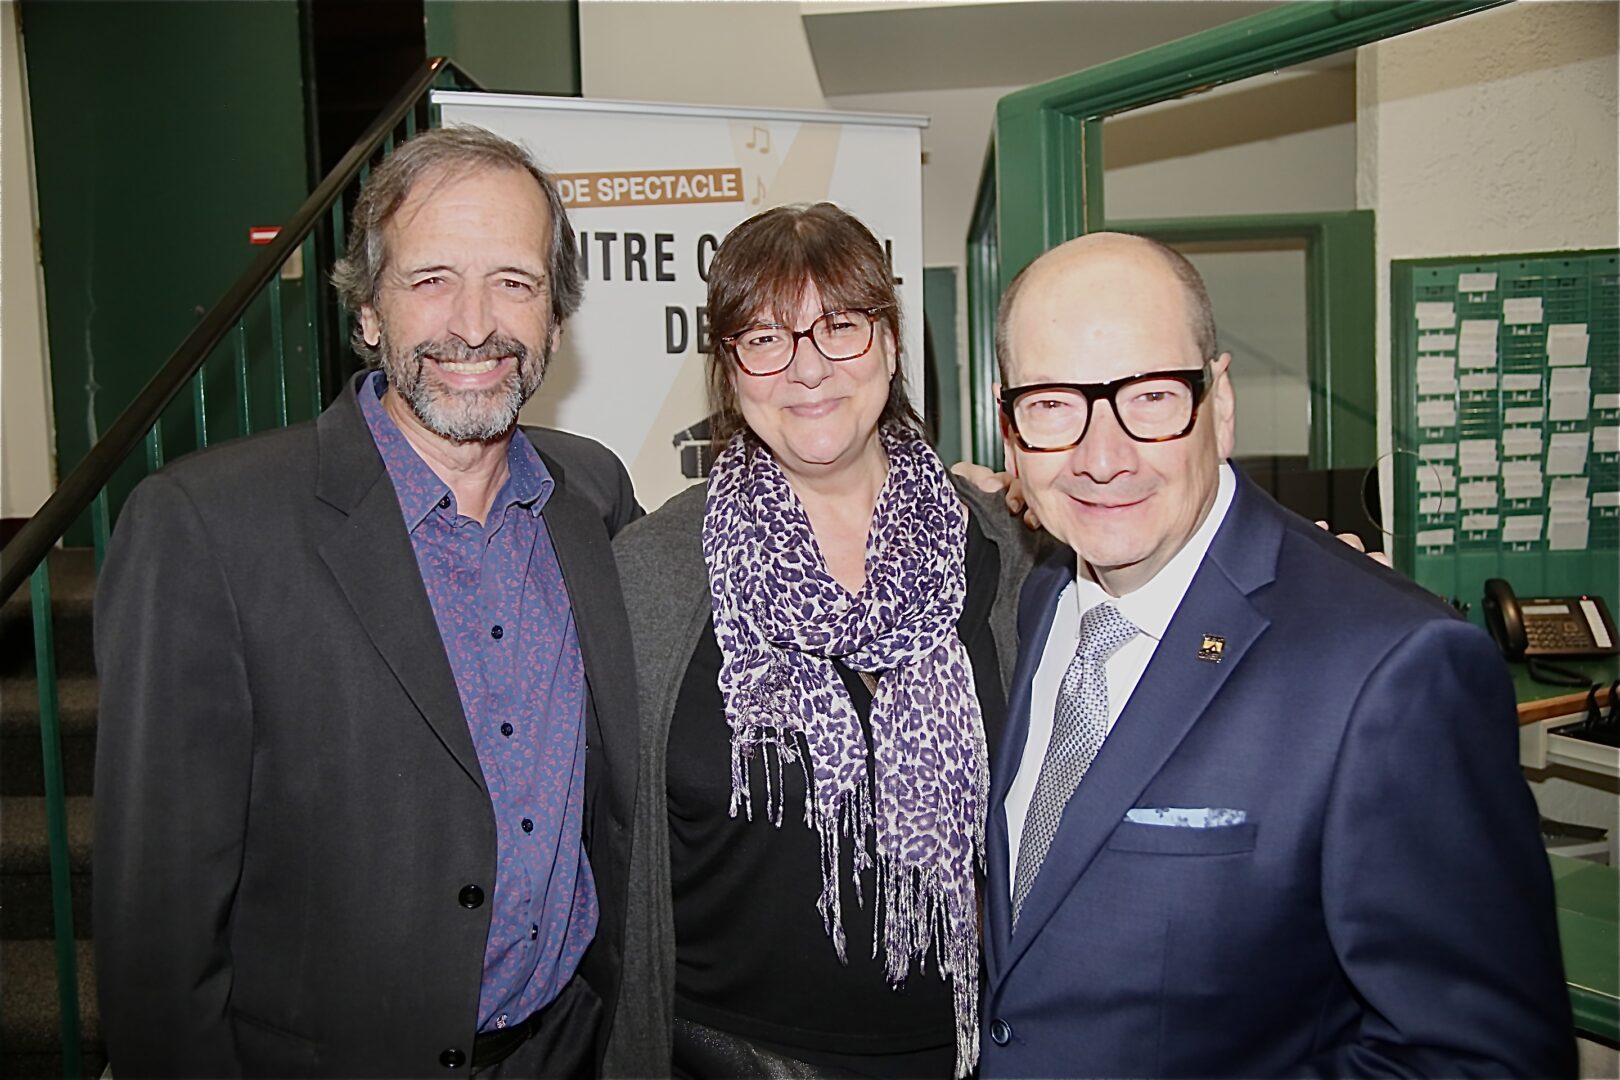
(780, 617)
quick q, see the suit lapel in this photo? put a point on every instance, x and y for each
(1170, 698)
(585, 556)
(371, 557)
(1037, 606)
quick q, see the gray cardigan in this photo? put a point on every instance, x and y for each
(666, 590)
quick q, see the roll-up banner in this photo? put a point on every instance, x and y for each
(652, 189)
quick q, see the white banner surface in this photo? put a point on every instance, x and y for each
(651, 190)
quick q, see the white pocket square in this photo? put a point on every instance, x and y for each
(1186, 817)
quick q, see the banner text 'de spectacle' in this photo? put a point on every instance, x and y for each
(666, 187)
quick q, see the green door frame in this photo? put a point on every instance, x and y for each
(1340, 305)
(1044, 177)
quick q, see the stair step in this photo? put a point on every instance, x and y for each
(73, 589)
(29, 1013)
(24, 845)
(26, 901)
(22, 770)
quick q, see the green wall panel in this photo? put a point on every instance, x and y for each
(163, 130)
(530, 46)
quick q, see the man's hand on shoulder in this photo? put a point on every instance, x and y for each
(991, 482)
(1355, 541)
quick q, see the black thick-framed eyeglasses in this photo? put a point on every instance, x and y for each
(1154, 406)
(769, 348)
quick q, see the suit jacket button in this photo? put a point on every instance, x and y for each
(1000, 1032)
(471, 896)
(453, 1058)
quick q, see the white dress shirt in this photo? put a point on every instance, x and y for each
(1149, 608)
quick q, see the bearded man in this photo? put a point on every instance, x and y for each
(367, 735)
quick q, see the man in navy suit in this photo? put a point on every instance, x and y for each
(1258, 810)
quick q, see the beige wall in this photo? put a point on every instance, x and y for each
(27, 464)
(721, 53)
(1492, 134)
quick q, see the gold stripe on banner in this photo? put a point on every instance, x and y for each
(653, 187)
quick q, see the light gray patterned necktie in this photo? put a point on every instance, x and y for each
(1079, 725)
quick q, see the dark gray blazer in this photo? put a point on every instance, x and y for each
(289, 807)
(666, 589)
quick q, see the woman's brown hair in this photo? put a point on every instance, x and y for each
(763, 270)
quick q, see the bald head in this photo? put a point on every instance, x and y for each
(1110, 267)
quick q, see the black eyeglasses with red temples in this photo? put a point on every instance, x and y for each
(768, 348)
(1155, 406)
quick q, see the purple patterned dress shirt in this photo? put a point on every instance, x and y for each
(503, 614)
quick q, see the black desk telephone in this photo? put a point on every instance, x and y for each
(1549, 626)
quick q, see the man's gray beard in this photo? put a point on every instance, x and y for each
(464, 416)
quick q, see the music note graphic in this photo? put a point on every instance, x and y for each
(760, 139)
(759, 192)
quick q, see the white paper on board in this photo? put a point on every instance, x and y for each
(1477, 495)
(1441, 413)
(1513, 490)
(1522, 310)
(1479, 522)
(1438, 451)
(1605, 401)
(1448, 504)
(1568, 534)
(1520, 384)
(1476, 283)
(1429, 504)
(1436, 365)
(1475, 383)
(1568, 488)
(1521, 442)
(1433, 343)
(1436, 315)
(1521, 528)
(1522, 414)
(1566, 453)
(1606, 498)
(1606, 440)
(1436, 538)
(1437, 478)
(1566, 344)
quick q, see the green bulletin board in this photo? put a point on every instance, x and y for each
(1506, 384)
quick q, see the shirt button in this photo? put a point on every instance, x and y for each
(528, 826)
(496, 632)
(1000, 1032)
(453, 1058)
(444, 504)
(534, 933)
(506, 729)
(470, 896)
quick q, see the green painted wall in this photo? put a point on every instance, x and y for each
(939, 306)
(524, 45)
(163, 129)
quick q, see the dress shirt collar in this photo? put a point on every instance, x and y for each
(528, 483)
(1151, 606)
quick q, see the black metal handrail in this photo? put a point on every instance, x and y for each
(80, 488)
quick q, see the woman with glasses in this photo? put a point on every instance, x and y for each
(823, 633)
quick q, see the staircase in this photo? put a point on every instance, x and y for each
(30, 1044)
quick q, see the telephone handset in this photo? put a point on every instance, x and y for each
(1547, 626)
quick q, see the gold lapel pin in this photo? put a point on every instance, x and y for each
(1213, 648)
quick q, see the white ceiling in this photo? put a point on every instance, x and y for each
(883, 48)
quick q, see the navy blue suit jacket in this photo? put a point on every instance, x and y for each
(1384, 910)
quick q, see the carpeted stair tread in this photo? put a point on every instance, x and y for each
(76, 700)
(28, 999)
(24, 844)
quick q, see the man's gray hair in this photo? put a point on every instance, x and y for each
(1200, 313)
(449, 152)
